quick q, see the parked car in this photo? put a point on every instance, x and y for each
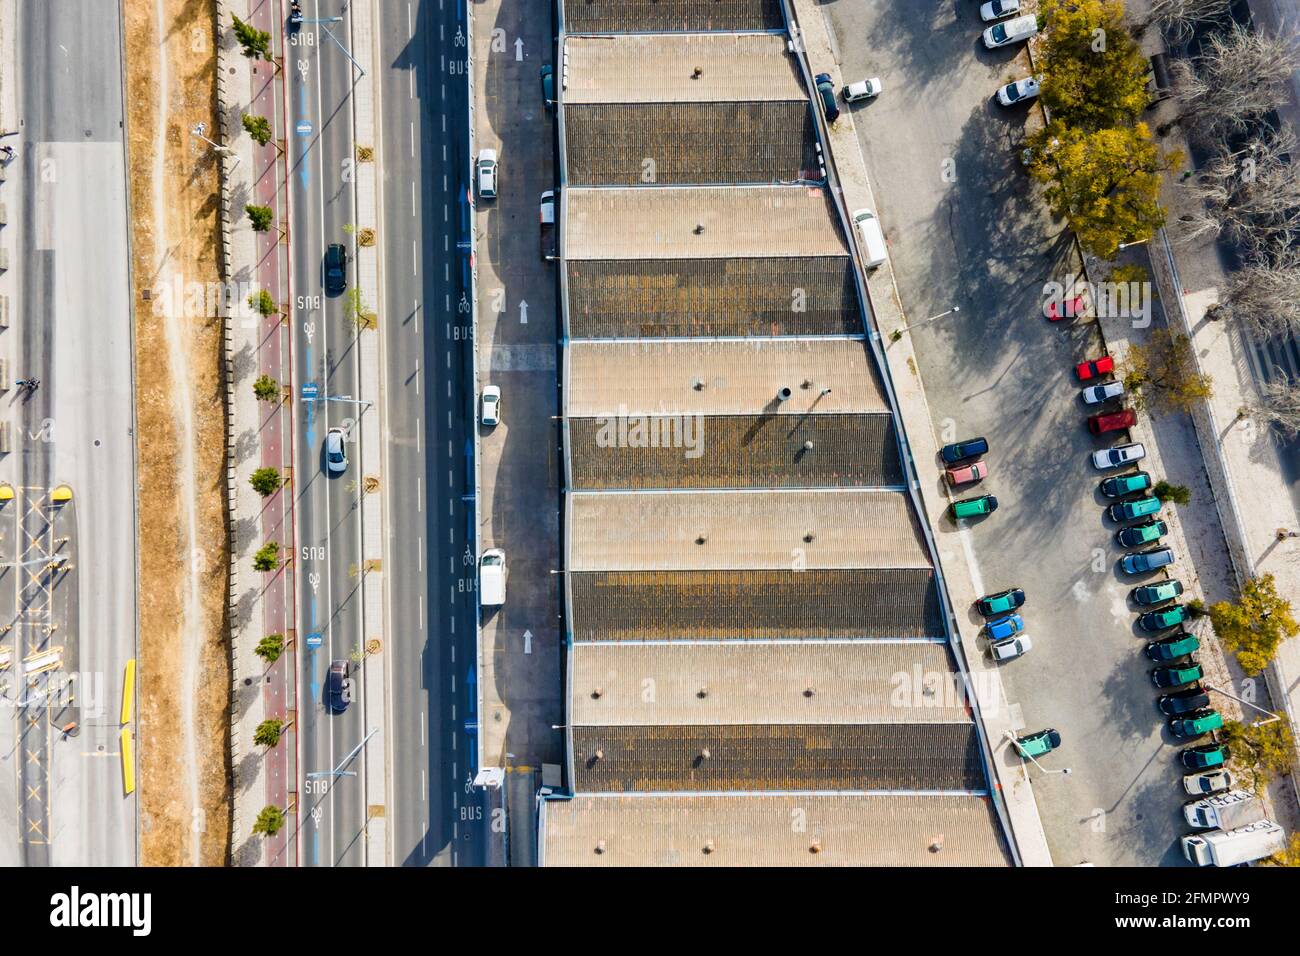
(862, 90)
(1177, 675)
(1094, 368)
(1037, 744)
(1068, 308)
(999, 8)
(1136, 508)
(1004, 627)
(1207, 782)
(1183, 702)
(491, 405)
(1156, 593)
(965, 474)
(826, 91)
(1173, 647)
(1196, 725)
(487, 173)
(337, 687)
(1204, 757)
(1104, 422)
(1140, 562)
(974, 507)
(546, 219)
(1118, 456)
(548, 86)
(1000, 603)
(336, 452)
(1019, 91)
(1164, 618)
(1011, 31)
(335, 268)
(1139, 534)
(1096, 394)
(1009, 648)
(960, 450)
(1121, 485)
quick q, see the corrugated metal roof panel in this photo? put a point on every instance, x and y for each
(608, 16)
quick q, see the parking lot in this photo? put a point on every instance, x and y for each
(519, 460)
(966, 229)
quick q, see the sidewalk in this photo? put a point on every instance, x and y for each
(261, 434)
(1012, 779)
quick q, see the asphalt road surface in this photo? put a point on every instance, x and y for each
(320, 82)
(434, 816)
(70, 327)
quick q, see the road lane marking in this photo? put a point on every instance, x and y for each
(419, 496)
(412, 197)
(415, 259)
(444, 149)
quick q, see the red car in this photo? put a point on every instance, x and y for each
(1056, 310)
(1112, 421)
(965, 474)
(1094, 368)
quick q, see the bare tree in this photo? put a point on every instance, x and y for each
(1264, 298)
(1279, 405)
(1239, 76)
(1181, 17)
(1251, 196)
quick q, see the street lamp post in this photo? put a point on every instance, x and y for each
(324, 25)
(898, 333)
(1064, 771)
(199, 131)
(1271, 716)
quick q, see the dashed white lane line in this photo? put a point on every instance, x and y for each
(415, 259)
(444, 149)
(412, 197)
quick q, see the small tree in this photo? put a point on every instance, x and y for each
(259, 216)
(355, 311)
(270, 648)
(1264, 297)
(267, 557)
(1260, 751)
(1163, 371)
(266, 388)
(261, 301)
(1279, 405)
(1180, 18)
(1167, 491)
(269, 821)
(1254, 626)
(1288, 856)
(256, 43)
(259, 128)
(266, 480)
(268, 732)
(1240, 75)
(1105, 182)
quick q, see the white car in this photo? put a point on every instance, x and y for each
(1096, 394)
(492, 578)
(862, 90)
(491, 405)
(336, 452)
(1207, 782)
(1009, 648)
(995, 9)
(1118, 457)
(1010, 31)
(1021, 91)
(487, 173)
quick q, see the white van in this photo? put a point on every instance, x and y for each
(492, 578)
(872, 238)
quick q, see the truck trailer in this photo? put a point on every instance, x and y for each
(1234, 847)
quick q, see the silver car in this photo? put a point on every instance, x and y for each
(1096, 394)
(1118, 457)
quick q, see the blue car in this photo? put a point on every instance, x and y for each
(1005, 627)
(961, 450)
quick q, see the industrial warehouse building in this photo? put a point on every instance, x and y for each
(758, 666)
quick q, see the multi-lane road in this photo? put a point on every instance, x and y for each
(73, 589)
(436, 817)
(419, 86)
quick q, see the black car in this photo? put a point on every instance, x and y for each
(1183, 702)
(337, 687)
(826, 90)
(336, 269)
